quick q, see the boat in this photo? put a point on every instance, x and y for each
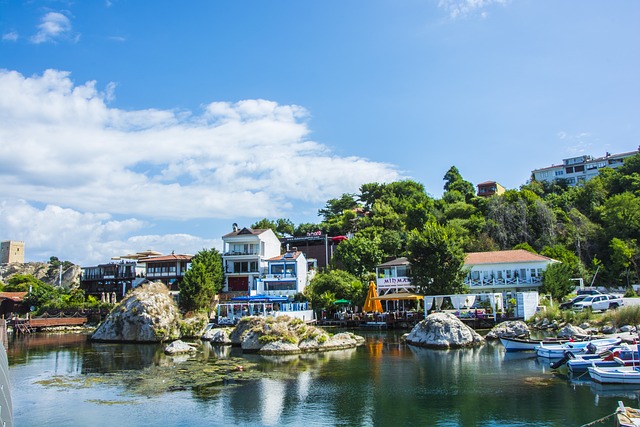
(527, 344)
(626, 417)
(619, 375)
(623, 355)
(558, 351)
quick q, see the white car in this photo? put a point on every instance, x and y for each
(598, 303)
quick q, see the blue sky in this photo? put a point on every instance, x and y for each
(127, 126)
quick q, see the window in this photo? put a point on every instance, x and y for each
(559, 173)
(277, 268)
(579, 168)
(569, 170)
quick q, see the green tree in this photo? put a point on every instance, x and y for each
(202, 281)
(624, 259)
(339, 283)
(358, 256)
(437, 260)
(556, 280)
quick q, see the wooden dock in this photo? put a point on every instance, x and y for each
(29, 325)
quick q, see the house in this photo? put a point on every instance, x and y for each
(505, 271)
(314, 245)
(286, 275)
(394, 276)
(489, 188)
(107, 280)
(489, 272)
(168, 269)
(577, 170)
(244, 257)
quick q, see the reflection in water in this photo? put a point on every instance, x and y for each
(384, 382)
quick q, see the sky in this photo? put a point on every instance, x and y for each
(127, 126)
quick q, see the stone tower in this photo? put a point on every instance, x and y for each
(11, 251)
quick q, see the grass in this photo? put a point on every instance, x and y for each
(629, 315)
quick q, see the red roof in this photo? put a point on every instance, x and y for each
(501, 257)
(13, 296)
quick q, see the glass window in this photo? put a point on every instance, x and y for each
(277, 268)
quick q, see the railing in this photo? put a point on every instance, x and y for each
(234, 253)
(503, 281)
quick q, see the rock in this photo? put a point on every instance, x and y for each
(627, 328)
(443, 330)
(285, 335)
(148, 313)
(45, 272)
(584, 325)
(568, 331)
(217, 336)
(179, 347)
(509, 329)
(609, 329)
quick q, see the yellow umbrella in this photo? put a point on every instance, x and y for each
(371, 304)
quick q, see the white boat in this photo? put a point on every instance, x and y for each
(527, 344)
(623, 355)
(619, 375)
(558, 351)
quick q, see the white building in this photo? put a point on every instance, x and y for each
(505, 271)
(286, 275)
(244, 256)
(576, 170)
(489, 272)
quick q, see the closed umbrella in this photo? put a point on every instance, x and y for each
(372, 305)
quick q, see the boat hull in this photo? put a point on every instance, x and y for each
(621, 375)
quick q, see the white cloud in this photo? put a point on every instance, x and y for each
(11, 36)
(86, 238)
(54, 26)
(61, 144)
(462, 8)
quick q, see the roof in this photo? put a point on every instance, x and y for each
(289, 255)
(394, 262)
(13, 296)
(172, 257)
(245, 231)
(487, 183)
(501, 257)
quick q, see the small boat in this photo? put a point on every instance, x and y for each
(558, 351)
(623, 355)
(619, 375)
(527, 344)
(626, 417)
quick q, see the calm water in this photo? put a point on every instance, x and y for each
(382, 383)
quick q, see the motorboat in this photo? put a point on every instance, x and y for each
(558, 351)
(617, 375)
(623, 355)
(527, 344)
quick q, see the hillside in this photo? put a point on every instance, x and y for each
(43, 271)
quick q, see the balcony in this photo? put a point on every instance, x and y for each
(241, 253)
(531, 281)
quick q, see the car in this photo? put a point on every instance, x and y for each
(598, 302)
(569, 304)
(588, 291)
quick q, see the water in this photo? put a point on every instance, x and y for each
(384, 382)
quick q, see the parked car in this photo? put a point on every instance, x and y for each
(599, 302)
(569, 304)
(588, 291)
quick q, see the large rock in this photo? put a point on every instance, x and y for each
(569, 330)
(146, 314)
(179, 347)
(285, 335)
(508, 329)
(217, 336)
(443, 330)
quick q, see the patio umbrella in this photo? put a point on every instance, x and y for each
(372, 305)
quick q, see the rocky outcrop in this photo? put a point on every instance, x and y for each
(179, 347)
(146, 314)
(44, 272)
(443, 330)
(569, 330)
(285, 335)
(218, 336)
(508, 329)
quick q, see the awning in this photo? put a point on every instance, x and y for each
(342, 301)
(399, 296)
(260, 298)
